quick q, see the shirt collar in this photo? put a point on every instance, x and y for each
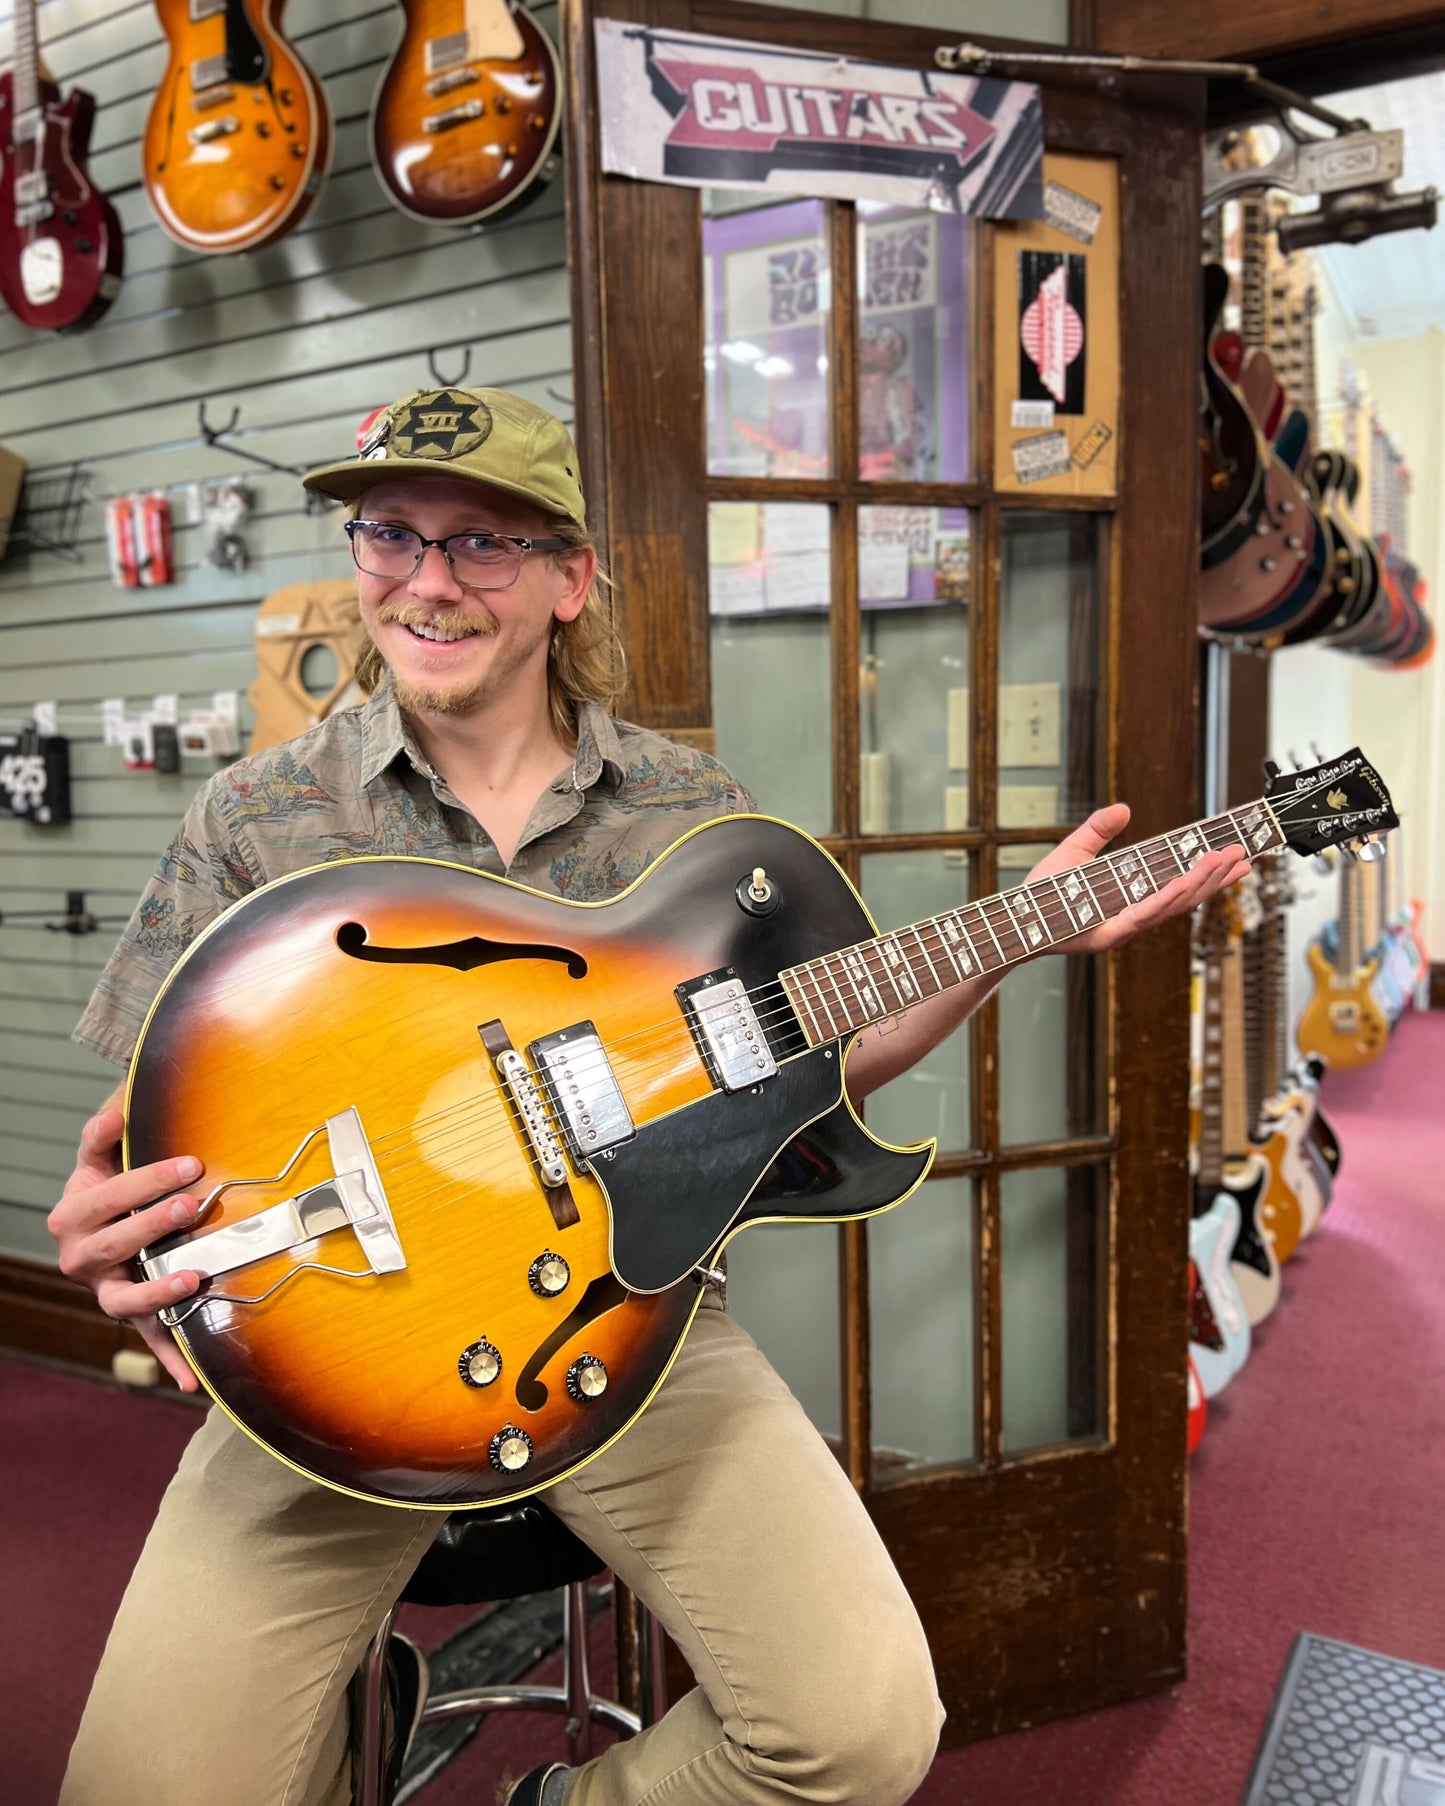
(385, 734)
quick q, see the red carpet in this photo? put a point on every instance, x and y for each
(1315, 1507)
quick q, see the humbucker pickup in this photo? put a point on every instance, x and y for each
(587, 1105)
(726, 1028)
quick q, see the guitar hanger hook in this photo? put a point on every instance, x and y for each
(449, 382)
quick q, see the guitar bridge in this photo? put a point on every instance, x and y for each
(353, 1196)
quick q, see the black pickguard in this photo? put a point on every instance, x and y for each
(681, 1183)
(1249, 1249)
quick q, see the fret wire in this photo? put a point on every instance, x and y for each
(1168, 842)
(870, 951)
(811, 969)
(1063, 901)
(1003, 957)
(837, 989)
(854, 957)
(1013, 922)
(887, 966)
(997, 902)
(924, 951)
(803, 996)
(942, 932)
(1109, 865)
(1036, 905)
(968, 940)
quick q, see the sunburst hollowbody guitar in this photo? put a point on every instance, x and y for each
(238, 140)
(471, 1151)
(465, 118)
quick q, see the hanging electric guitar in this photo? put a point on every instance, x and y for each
(1219, 1337)
(1343, 1023)
(466, 114)
(61, 249)
(1226, 1171)
(238, 140)
(471, 1151)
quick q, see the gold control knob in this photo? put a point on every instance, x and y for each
(510, 1450)
(480, 1364)
(586, 1379)
(549, 1275)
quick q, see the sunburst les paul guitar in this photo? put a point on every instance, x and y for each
(238, 140)
(472, 1152)
(465, 119)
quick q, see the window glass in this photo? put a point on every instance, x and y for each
(768, 593)
(913, 345)
(914, 577)
(767, 294)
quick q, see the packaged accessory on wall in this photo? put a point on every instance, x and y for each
(225, 508)
(120, 542)
(152, 511)
(35, 776)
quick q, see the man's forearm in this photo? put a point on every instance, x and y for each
(887, 1048)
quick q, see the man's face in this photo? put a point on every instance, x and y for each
(502, 633)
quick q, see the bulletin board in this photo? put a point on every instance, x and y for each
(1056, 336)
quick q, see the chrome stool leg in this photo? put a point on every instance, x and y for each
(576, 1677)
(369, 1708)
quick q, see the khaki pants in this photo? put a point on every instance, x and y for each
(226, 1672)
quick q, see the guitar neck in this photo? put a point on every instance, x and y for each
(1211, 1072)
(27, 62)
(1233, 1107)
(842, 992)
(1349, 919)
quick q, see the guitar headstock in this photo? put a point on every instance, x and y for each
(1339, 803)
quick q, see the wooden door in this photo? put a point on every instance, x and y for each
(845, 581)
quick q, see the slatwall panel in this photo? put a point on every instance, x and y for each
(304, 338)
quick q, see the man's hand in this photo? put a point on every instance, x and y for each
(98, 1235)
(1189, 889)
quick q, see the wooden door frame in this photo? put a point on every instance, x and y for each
(1018, 1625)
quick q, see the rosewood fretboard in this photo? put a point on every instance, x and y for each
(845, 991)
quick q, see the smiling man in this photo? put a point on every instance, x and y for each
(486, 740)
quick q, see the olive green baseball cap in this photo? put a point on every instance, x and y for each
(482, 435)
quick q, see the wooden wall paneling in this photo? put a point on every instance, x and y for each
(1248, 738)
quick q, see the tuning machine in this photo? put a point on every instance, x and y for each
(1370, 849)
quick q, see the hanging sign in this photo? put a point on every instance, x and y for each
(722, 113)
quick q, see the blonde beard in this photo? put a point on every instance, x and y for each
(463, 699)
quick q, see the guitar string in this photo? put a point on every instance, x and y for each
(464, 1135)
(440, 1142)
(680, 1032)
(432, 1147)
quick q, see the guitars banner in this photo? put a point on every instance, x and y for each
(721, 112)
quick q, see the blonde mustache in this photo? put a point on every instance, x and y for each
(452, 620)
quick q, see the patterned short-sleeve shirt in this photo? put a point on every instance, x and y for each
(360, 784)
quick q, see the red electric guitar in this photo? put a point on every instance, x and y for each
(60, 240)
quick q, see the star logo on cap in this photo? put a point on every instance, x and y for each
(439, 424)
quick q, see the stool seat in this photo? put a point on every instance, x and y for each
(500, 1553)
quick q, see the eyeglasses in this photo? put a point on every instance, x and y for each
(478, 560)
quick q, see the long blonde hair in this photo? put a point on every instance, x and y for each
(585, 661)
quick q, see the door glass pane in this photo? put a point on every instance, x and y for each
(769, 586)
(1048, 1047)
(783, 1289)
(1049, 679)
(914, 575)
(1051, 1274)
(913, 352)
(932, 1098)
(921, 1330)
(766, 287)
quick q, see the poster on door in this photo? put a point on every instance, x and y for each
(726, 113)
(1056, 342)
